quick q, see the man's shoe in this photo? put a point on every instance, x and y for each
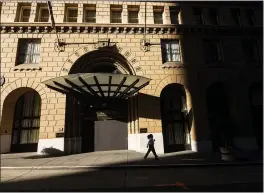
(156, 158)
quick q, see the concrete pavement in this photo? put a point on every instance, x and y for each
(226, 178)
(121, 158)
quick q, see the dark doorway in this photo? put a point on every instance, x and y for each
(99, 122)
(219, 116)
(256, 101)
(26, 122)
(174, 118)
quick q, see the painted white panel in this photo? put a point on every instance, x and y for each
(133, 142)
(5, 143)
(56, 143)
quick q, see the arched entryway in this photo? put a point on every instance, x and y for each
(219, 115)
(21, 120)
(174, 117)
(256, 104)
(97, 124)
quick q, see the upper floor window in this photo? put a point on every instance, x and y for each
(174, 15)
(214, 16)
(89, 12)
(42, 13)
(213, 51)
(198, 16)
(71, 13)
(116, 13)
(252, 50)
(236, 16)
(133, 13)
(170, 51)
(250, 16)
(158, 14)
(28, 51)
(23, 12)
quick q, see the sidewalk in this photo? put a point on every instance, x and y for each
(121, 159)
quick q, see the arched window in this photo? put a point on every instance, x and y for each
(174, 118)
(26, 123)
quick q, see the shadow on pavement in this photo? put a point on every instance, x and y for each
(130, 179)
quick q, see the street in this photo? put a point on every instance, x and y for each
(211, 178)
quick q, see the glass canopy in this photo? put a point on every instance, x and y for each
(105, 85)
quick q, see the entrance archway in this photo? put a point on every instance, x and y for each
(256, 103)
(219, 115)
(21, 118)
(174, 117)
(97, 124)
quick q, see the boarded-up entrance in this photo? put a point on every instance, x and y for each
(110, 135)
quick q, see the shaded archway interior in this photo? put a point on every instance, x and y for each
(174, 115)
(222, 133)
(97, 124)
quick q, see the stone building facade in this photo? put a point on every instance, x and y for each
(204, 61)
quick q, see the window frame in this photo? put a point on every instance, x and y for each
(157, 10)
(89, 8)
(116, 9)
(252, 17)
(195, 11)
(20, 52)
(22, 7)
(39, 13)
(175, 10)
(129, 10)
(164, 50)
(219, 47)
(254, 43)
(215, 13)
(67, 14)
(236, 15)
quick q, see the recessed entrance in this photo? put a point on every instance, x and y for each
(26, 121)
(175, 126)
(98, 88)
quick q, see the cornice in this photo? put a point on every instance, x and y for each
(17, 27)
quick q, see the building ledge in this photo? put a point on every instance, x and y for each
(173, 65)
(27, 67)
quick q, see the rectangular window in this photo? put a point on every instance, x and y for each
(236, 16)
(28, 51)
(89, 12)
(133, 14)
(214, 16)
(250, 17)
(174, 15)
(24, 13)
(71, 13)
(158, 14)
(251, 49)
(197, 12)
(42, 13)
(213, 51)
(171, 51)
(116, 14)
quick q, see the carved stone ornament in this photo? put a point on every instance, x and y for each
(2, 80)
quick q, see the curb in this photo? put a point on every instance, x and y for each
(129, 166)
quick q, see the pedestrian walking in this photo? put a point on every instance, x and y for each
(151, 147)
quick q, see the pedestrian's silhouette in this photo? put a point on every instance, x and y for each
(151, 147)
